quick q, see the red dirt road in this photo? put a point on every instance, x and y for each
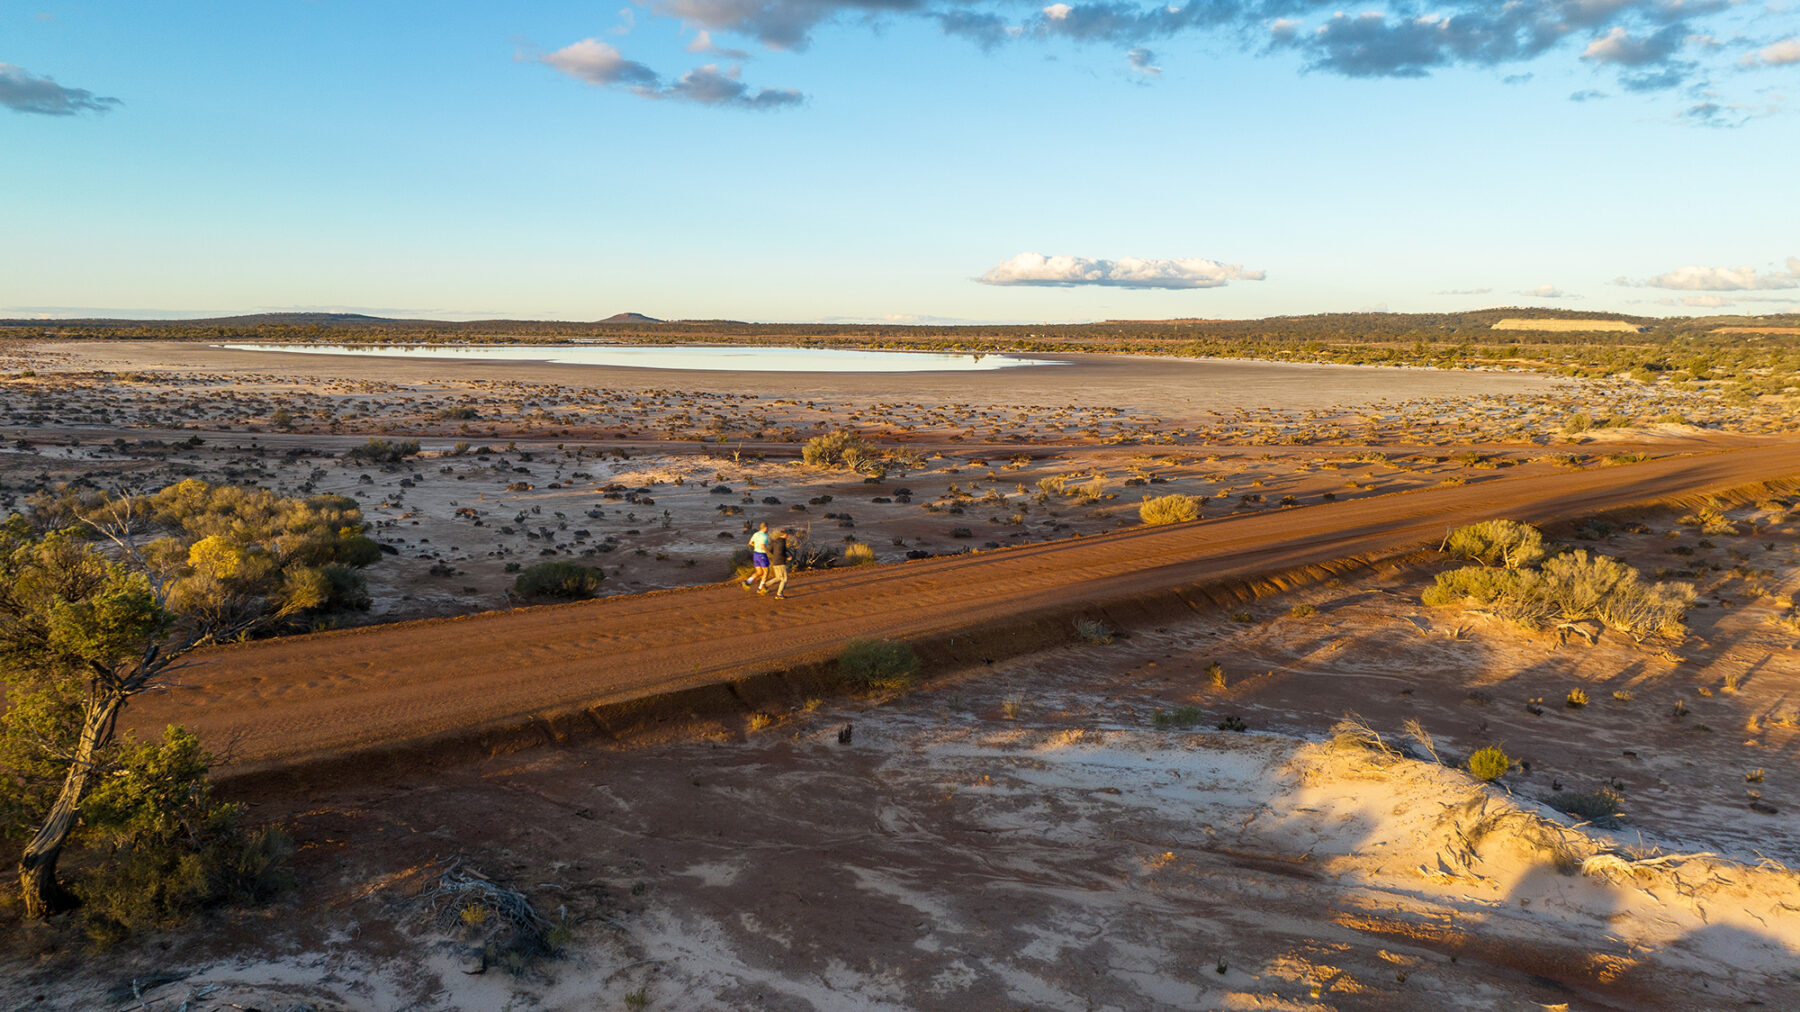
(339, 702)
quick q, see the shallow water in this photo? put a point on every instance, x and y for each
(708, 357)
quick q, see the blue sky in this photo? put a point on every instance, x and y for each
(898, 159)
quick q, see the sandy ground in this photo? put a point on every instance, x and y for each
(1066, 828)
(1031, 835)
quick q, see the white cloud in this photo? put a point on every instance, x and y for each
(1705, 301)
(1546, 292)
(1057, 12)
(1695, 278)
(1620, 47)
(703, 43)
(1126, 272)
(1143, 61)
(596, 62)
(1778, 55)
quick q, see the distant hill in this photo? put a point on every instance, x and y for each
(296, 320)
(630, 318)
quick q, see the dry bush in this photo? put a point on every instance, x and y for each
(1568, 588)
(1169, 509)
(1504, 543)
(1091, 631)
(838, 448)
(1599, 807)
(1709, 521)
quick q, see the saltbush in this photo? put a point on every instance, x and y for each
(569, 581)
(878, 664)
(1169, 509)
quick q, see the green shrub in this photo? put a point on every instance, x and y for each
(567, 581)
(1489, 763)
(859, 554)
(1169, 509)
(1498, 543)
(878, 664)
(170, 848)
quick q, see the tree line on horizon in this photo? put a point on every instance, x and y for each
(1679, 349)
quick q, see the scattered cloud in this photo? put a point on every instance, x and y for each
(20, 91)
(703, 43)
(1705, 301)
(1620, 47)
(1695, 278)
(1587, 95)
(711, 86)
(1648, 45)
(1127, 272)
(1714, 114)
(1547, 292)
(1464, 291)
(599, 63)
(1780, 54)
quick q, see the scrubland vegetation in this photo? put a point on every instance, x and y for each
(1567, 587)
(1681, 350)
(100, 596)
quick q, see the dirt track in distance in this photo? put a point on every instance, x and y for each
(343, 698)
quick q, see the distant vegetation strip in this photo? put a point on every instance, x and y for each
(1744, 356)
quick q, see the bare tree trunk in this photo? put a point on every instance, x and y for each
(43, 894)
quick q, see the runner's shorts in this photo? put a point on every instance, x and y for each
(760, 559)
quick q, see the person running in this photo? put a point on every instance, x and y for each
(759, 557)
(778, 563)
